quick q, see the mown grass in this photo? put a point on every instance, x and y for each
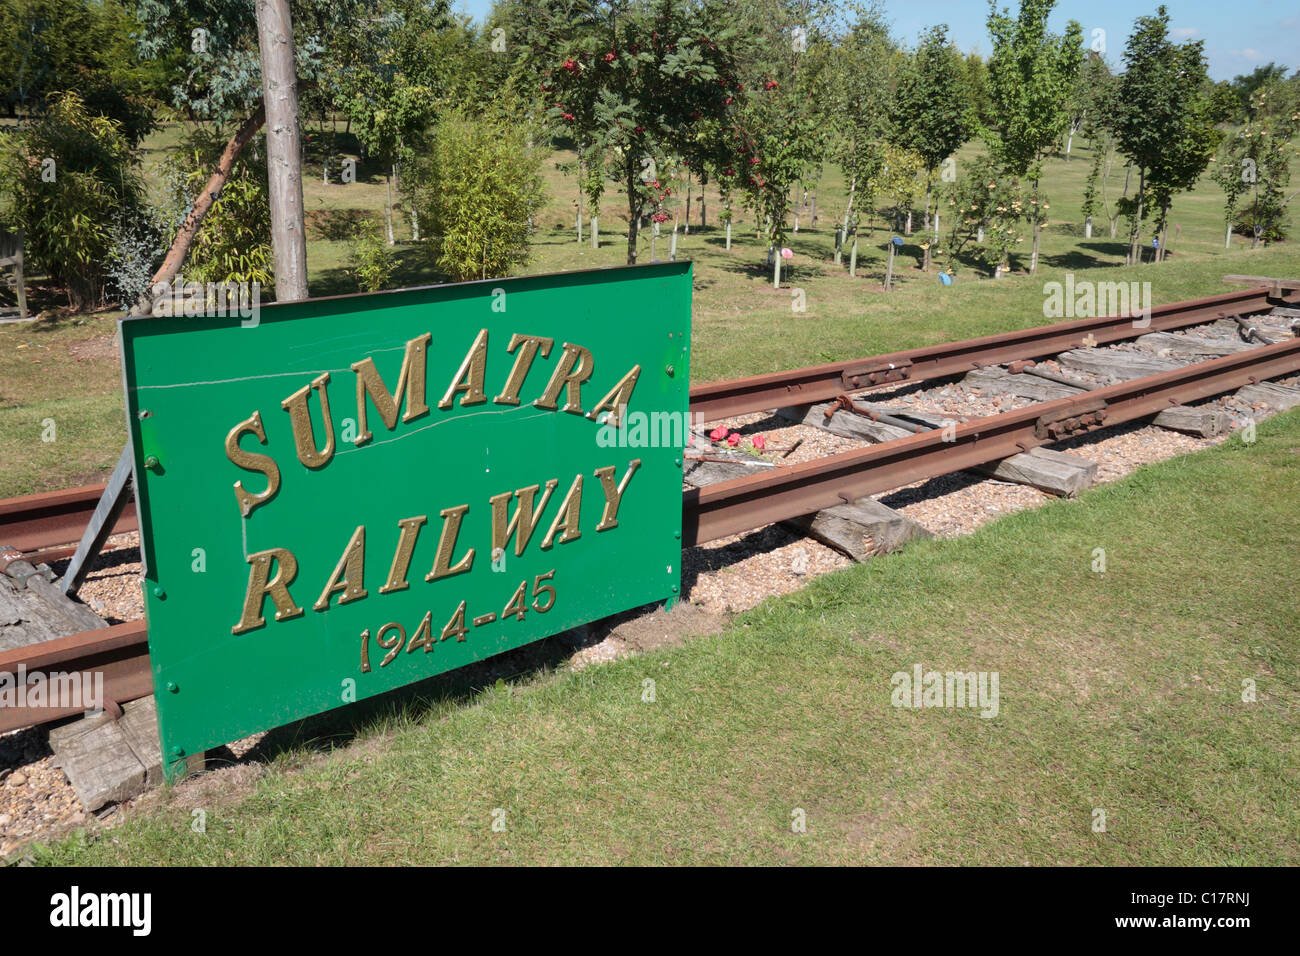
(1119, 691)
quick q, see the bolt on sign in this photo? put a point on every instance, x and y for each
(354, 494)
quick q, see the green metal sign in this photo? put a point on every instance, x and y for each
(339, 497)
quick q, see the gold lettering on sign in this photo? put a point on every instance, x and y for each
(523, 522)
(410, 385)
(617, 399)
(523, 362)
(402, 556)
(568, 379)
(475, 367)
(567, 517)
(251, 461)
(353, 565)
(304, 435)
(613, 493)
(277, 587)
(442, 567)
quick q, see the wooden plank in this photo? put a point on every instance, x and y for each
(1280, 398)
(1000, 381)
(1120, 364)
(1167, 344)
(1054, 472)
(99, 762)
(861, 530)
(842, 423)
(1276, 285)
(1204, 421)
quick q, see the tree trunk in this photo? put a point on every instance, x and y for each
(388, 205)
(1163, 232)
(1135, 238)
(1038, 228)
(688, 204)
(633, 219)
(1227, 239)
(579, 222)
(853, 186)
(171, 264)
(283, 149)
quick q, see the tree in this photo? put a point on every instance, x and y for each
(1159, 116)
(283, 149)
(1089, 94)
(72, 177)
(986, 210)
(219, 79)
(931, 106)
(483, 186)
(48, 47)
(1256, 162)
(1244, 87)
(860, 101)
(1191, 144)
(1031, 74)
(781, 130)
(396, 80)
(977, 90)
(633, 81)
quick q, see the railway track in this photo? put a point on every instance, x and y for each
(46, 526)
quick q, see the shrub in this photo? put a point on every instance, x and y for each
(137, 250)
(476, 186)
(372, 258)
(72, 176)
(234, 242)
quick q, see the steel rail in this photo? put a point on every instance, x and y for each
(46, 527)
(819, 383)
(120, 653)
(743, 504)
(37, 524)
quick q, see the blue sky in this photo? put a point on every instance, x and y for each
(1239, 34)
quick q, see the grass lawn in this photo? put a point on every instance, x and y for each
(1119, 691)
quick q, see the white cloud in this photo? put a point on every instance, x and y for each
(1184, 33)
(1248, 53)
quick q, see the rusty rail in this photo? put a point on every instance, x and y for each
(820, 383)
(120, 653)
(39, 524)
(743, 504)
(46, 527)
(35, 522)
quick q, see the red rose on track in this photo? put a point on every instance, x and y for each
(733, 439)
(718, 434)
